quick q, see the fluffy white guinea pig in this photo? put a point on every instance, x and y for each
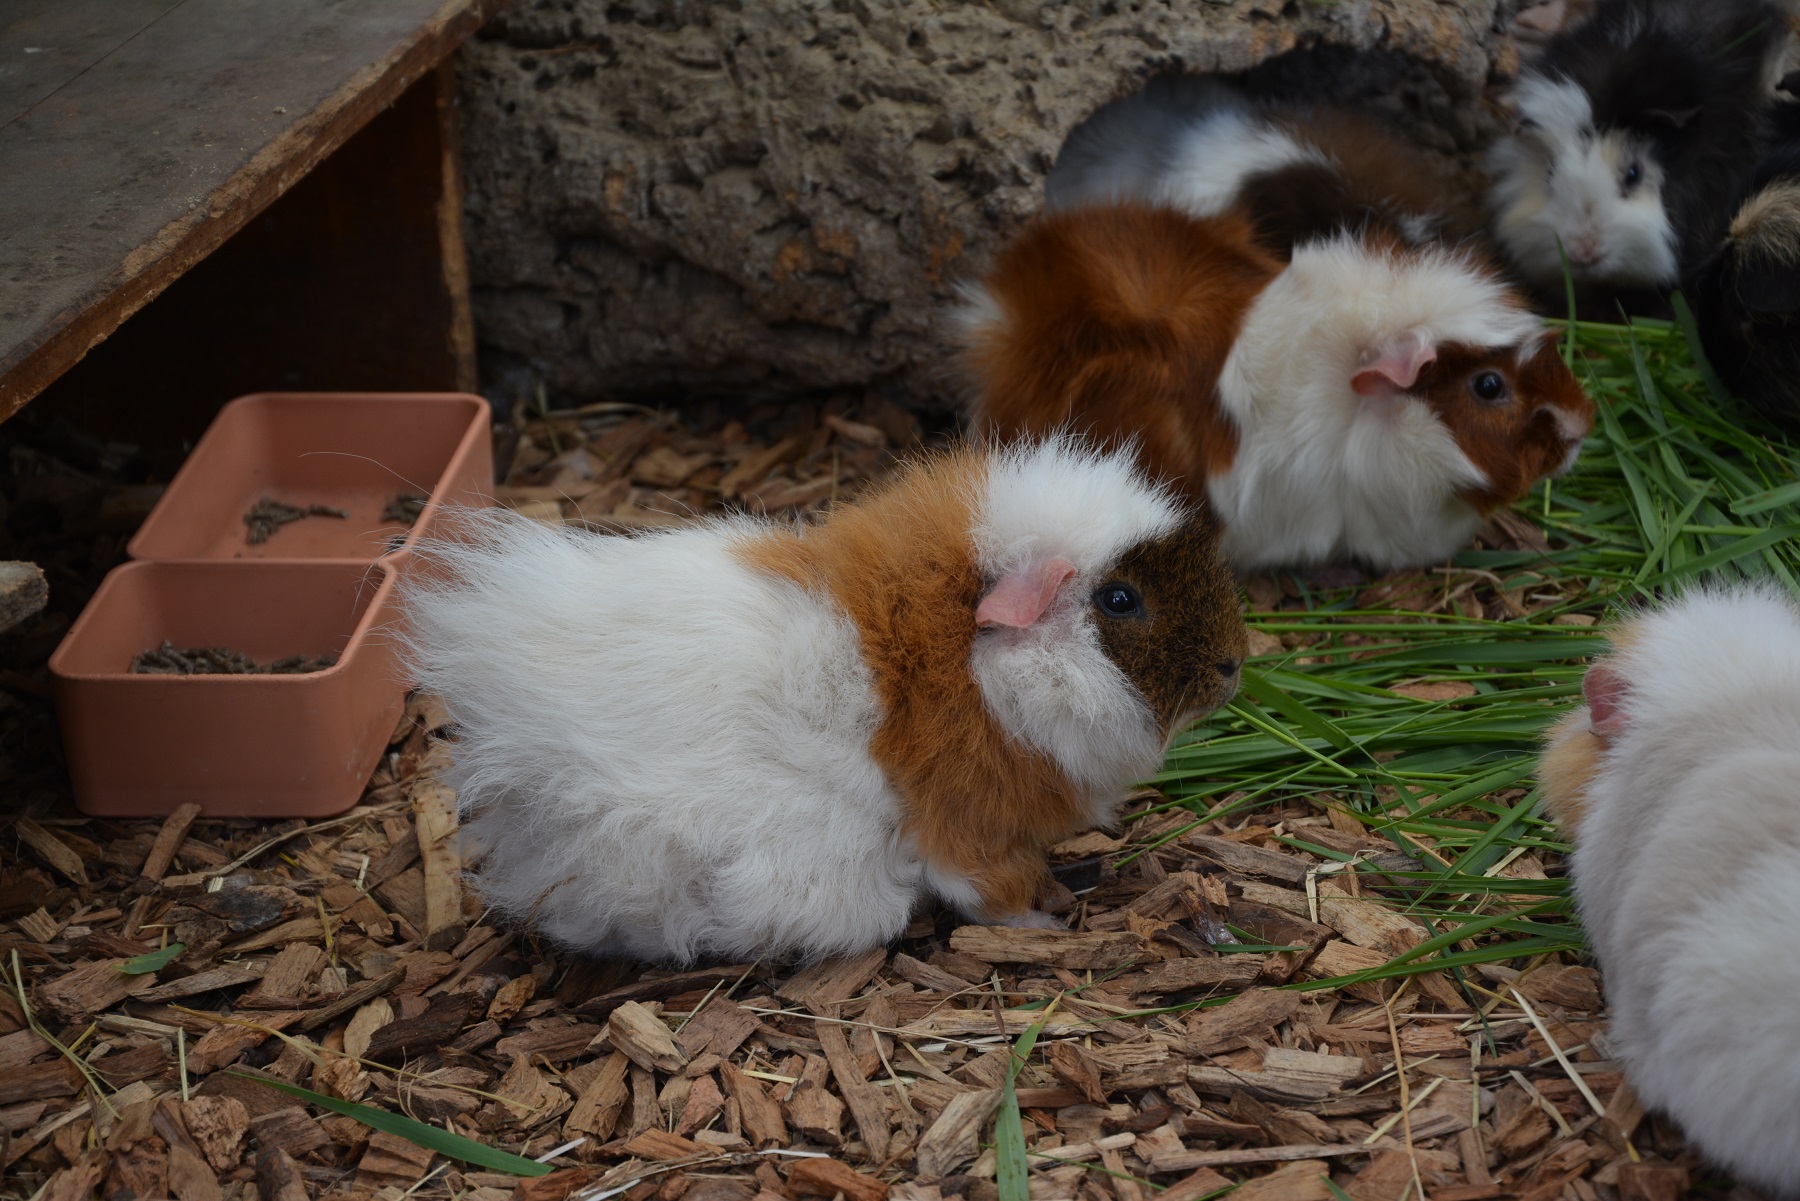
(1679, 783)
(742, 739)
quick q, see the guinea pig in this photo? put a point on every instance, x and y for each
(1364, 402)
(1679, 785)
(1633, 130)
(742, 739)
(1300, 172)
(1746, 295)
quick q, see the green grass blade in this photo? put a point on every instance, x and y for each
(155, 961)
(432, 1138)
(1012, 1170)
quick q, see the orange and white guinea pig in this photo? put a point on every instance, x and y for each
(1679, 784)
(1367, 401)
(743, 739)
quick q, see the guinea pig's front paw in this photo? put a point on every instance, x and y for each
(1030, 919)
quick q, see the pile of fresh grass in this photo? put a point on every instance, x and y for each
(1679, 482)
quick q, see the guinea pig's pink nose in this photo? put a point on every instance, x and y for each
(1583, 250)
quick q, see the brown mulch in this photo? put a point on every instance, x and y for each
(345, 956)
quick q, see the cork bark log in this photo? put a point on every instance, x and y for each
(669, 196)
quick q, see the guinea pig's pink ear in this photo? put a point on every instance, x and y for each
(1605, 692)
(1394, 366)
(1022, 595)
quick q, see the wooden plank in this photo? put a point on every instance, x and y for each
(152, 154)
(48, 43)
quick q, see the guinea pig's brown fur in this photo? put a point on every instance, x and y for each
(1572, 751)
(899, 563)
(1119, 321)
(1513, 449)
(1571, 757)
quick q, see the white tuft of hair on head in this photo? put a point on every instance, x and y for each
(1559, 179)
(1052, 686)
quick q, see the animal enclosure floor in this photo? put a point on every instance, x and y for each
(1216, 1019)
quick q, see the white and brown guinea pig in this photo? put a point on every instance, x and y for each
(1633, 131)
(1746, 294)
(1366, 402)
(1300, 172)
(742, 739)
(1679, 785)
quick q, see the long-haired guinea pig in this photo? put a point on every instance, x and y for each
(1746, 295)
(1362, 403)
(1299, 172)
(743, 739)
(1679, 784)
(1633, 131)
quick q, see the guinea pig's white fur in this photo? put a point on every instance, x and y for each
(1558, 177)
(665, 752)
(1687, 854)
(1185, 142)
(1052, 686)
(1217, 153)
(1322, 474)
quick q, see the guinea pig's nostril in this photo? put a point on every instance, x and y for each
(1228, 667)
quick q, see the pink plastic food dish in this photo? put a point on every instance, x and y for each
(266, 746)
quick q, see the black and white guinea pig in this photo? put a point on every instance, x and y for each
(743, 739)
(1633, 131)
(1679, 785)
(1300, 173)
(1746, 294)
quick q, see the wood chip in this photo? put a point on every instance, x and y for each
(1222, 972)
(174, 832)
(1305, 1180)
(1254, 861)
(812, 1109)
(434, 816)
(643, 1037)
(391, 1162)
(1060, 948)
(227, 975)
(90, 988)
(290, 1129)
(218, 1125)
(660, 1144)
(1073, 1067)
(289, 978)
(363, 1025)
(865, 1105)
(51, 849)
(438, 1026)
(761, 1116)
(278, 1177)
(1368, 924)
(719, 1029)
(1255, 1013)
(955, 1138)
(828, 1178)
(821, 986)
(597, 1109)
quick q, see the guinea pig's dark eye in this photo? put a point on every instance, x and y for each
(1489, 387)
(1119, 600)
(1633, 174)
